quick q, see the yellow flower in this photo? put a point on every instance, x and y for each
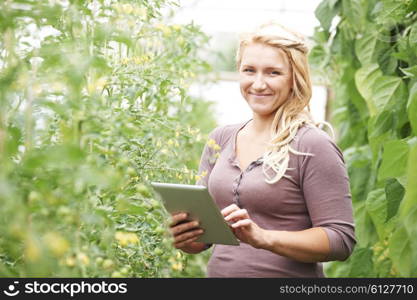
(117, 7)
(83, 258)
(32, 250)
(127, 8)
(57, 87)
(166, 30)
(70, 261)
(56, 243)
(140, 11)
(212, 144)
(177, 266)
(203, 174)
(36, 89)
(126, 238)
(170, 142)
(96, 85)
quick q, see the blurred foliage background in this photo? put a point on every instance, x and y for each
(366, 52)
(94, 106)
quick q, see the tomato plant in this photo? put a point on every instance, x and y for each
(94, 106)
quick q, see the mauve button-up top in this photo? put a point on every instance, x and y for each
(315, 194)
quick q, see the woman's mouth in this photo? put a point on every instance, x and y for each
(260, 95)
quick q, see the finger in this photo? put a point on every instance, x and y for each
(227, 210)
(241, 213)
(178, 229)
(184, 243)
(177, 218)
(188, 235)
(242, 223)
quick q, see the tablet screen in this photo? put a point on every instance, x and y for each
(197, 202)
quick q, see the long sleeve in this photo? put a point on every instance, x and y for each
(325, 185)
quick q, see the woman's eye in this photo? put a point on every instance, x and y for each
(275, 73)
(247, 70)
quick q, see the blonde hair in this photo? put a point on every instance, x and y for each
(295, 111)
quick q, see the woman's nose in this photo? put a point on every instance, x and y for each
(259, 83)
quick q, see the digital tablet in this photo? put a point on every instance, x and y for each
(197, 202)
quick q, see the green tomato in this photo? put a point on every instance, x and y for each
(116, 274)
(143, 190)
(158, 251)
(159, 230)
(91, 159)
(108, 264)
(125, 270)
(155, 203)
(64, 211)
(130, 171)
(99, 261)
(150, 218)
(34, 196)
(124, 161)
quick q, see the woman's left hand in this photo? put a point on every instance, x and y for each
(244, 228)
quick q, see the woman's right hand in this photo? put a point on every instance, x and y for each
(185, 232)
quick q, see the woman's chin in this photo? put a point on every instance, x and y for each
(262, 110)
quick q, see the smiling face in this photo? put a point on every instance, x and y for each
(265, 78)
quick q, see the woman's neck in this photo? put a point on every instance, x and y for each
(260, 126)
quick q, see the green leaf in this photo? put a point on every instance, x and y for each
(358, 161)
(385, 59)
(376, 205)
(376, 141)
(410, 224)
(384, 122)
(361, 263)
(355, 12)
(380, 92)
(410, 199)
(412, 6)
(364, 228)
(394, 193)
(388, 93)
(412, 107)
(393, 12)
(409, 72)
(412, 38)
(14, 136)
(400, 251)
(325, 13)
(365, 79)
(365, 49)
(318, 57)
(394, 159)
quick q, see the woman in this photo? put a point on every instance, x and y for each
(279, 180)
